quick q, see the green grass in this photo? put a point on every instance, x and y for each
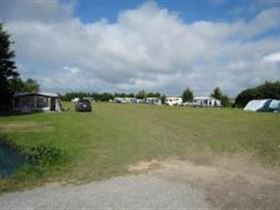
(104, 142)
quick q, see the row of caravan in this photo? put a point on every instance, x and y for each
(171, 101)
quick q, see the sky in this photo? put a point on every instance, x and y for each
(130, 45)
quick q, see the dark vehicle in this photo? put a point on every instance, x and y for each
(83, 105)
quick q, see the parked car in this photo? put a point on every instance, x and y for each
(83, 105)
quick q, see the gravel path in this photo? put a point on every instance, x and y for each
(145, 191)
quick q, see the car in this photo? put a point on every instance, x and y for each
(83, 105)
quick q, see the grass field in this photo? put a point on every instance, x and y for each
(103, 143)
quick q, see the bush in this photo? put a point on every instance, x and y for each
(4, 140)
(44, 155)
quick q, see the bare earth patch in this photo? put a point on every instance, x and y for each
(231, 181)
(144, 166)
(26, 127)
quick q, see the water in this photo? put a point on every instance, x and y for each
(10, 160)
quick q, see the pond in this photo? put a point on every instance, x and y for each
(10, 160)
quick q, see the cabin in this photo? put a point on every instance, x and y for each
(36, 102)
(205, 101)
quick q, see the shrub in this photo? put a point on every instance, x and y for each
(44, 155)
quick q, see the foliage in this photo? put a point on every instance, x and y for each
(267, 90)
(162, 98)
(225, 101)
(10, 81)
(141, 94)
(29, 85)
(8, 71)
(43, 155)
(187, 95)
(96, 96)
(4, 140)
(108, 96)
(218, 94)
(153, 94)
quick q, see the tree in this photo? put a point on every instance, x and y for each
(17, 85)
(131, 95)
(153, 94)
(187, 95)
(218, 94)
(225, 101)
(162, 98)
(266, 90)
(30, 85)
(141, 94)
(8, 72)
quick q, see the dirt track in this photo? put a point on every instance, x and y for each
(195, 182)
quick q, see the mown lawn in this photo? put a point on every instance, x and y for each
(103, 143)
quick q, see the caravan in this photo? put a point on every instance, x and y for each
(173, 101)
(205, 101)
(153, 101)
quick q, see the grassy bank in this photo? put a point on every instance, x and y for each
(103, 143)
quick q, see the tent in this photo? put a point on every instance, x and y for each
(36, 102)
(264, 105)
(275, 105)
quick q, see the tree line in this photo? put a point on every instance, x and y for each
(187, 95)
(106, 96)
(266, 90)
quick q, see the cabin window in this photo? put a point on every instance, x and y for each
(42, 102)
(27, 101)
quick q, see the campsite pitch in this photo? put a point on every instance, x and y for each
(105, 142)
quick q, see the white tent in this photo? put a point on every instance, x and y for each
(264, 105)
(275, 105)
(255, 105)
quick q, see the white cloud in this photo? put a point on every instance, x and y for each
(272, 58)
(72, 69)
(147, 48)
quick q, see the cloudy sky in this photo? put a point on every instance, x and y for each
(126, 45)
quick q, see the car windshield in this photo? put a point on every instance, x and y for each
(84, 101)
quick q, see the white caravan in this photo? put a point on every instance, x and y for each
(173, 101)
(153, 101)
(206, 101)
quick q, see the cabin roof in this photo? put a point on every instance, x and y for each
(22, 94)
